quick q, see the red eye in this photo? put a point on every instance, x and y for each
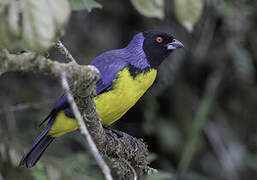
(159, 39)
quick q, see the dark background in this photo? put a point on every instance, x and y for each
(198, 119)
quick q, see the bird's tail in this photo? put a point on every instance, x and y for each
(38, 147)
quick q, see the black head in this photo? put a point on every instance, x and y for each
(158, 45)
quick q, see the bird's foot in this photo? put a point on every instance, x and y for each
(111, 132)
(118, 134)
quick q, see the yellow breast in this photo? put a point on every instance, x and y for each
(125, 93)
(113, 104)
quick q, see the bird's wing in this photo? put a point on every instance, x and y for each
(109, 64)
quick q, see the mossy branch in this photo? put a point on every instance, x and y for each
(83, 129)
(83, 79)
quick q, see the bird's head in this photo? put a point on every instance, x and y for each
(158, 45)
(150, 48)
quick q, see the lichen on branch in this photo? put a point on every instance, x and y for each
(83, 79)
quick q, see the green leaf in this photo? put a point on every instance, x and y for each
(78, 5)
(38, 25)
(10, 30)
(13, 18)
(150, 8)
(42, 20)
(4, 2)
(60, 11)
(188, 12)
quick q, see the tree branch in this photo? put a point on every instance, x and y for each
(83, 79)
(65, 51)
(31, 62)
(83, 129)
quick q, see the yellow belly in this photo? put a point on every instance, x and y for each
(63, 125)
(125, 93)
(113, 104)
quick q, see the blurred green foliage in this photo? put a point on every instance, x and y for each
(84, 5)
(150, 8)
(199, 118)
(188, 12)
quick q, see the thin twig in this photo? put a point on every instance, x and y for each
(83, 129)
(65, 51)
(85, 76)
(132, 169)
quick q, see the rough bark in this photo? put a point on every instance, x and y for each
(118, 151)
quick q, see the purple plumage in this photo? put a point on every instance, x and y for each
(142, 53)
(109, 64)
(38, 147)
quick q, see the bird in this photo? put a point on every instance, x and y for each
(125, 75)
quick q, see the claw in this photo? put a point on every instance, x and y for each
(112, 134)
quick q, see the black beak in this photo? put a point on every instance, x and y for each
(174, 45)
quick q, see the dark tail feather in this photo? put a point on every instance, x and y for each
(38, 147)
(33, 156)
(50, 115)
